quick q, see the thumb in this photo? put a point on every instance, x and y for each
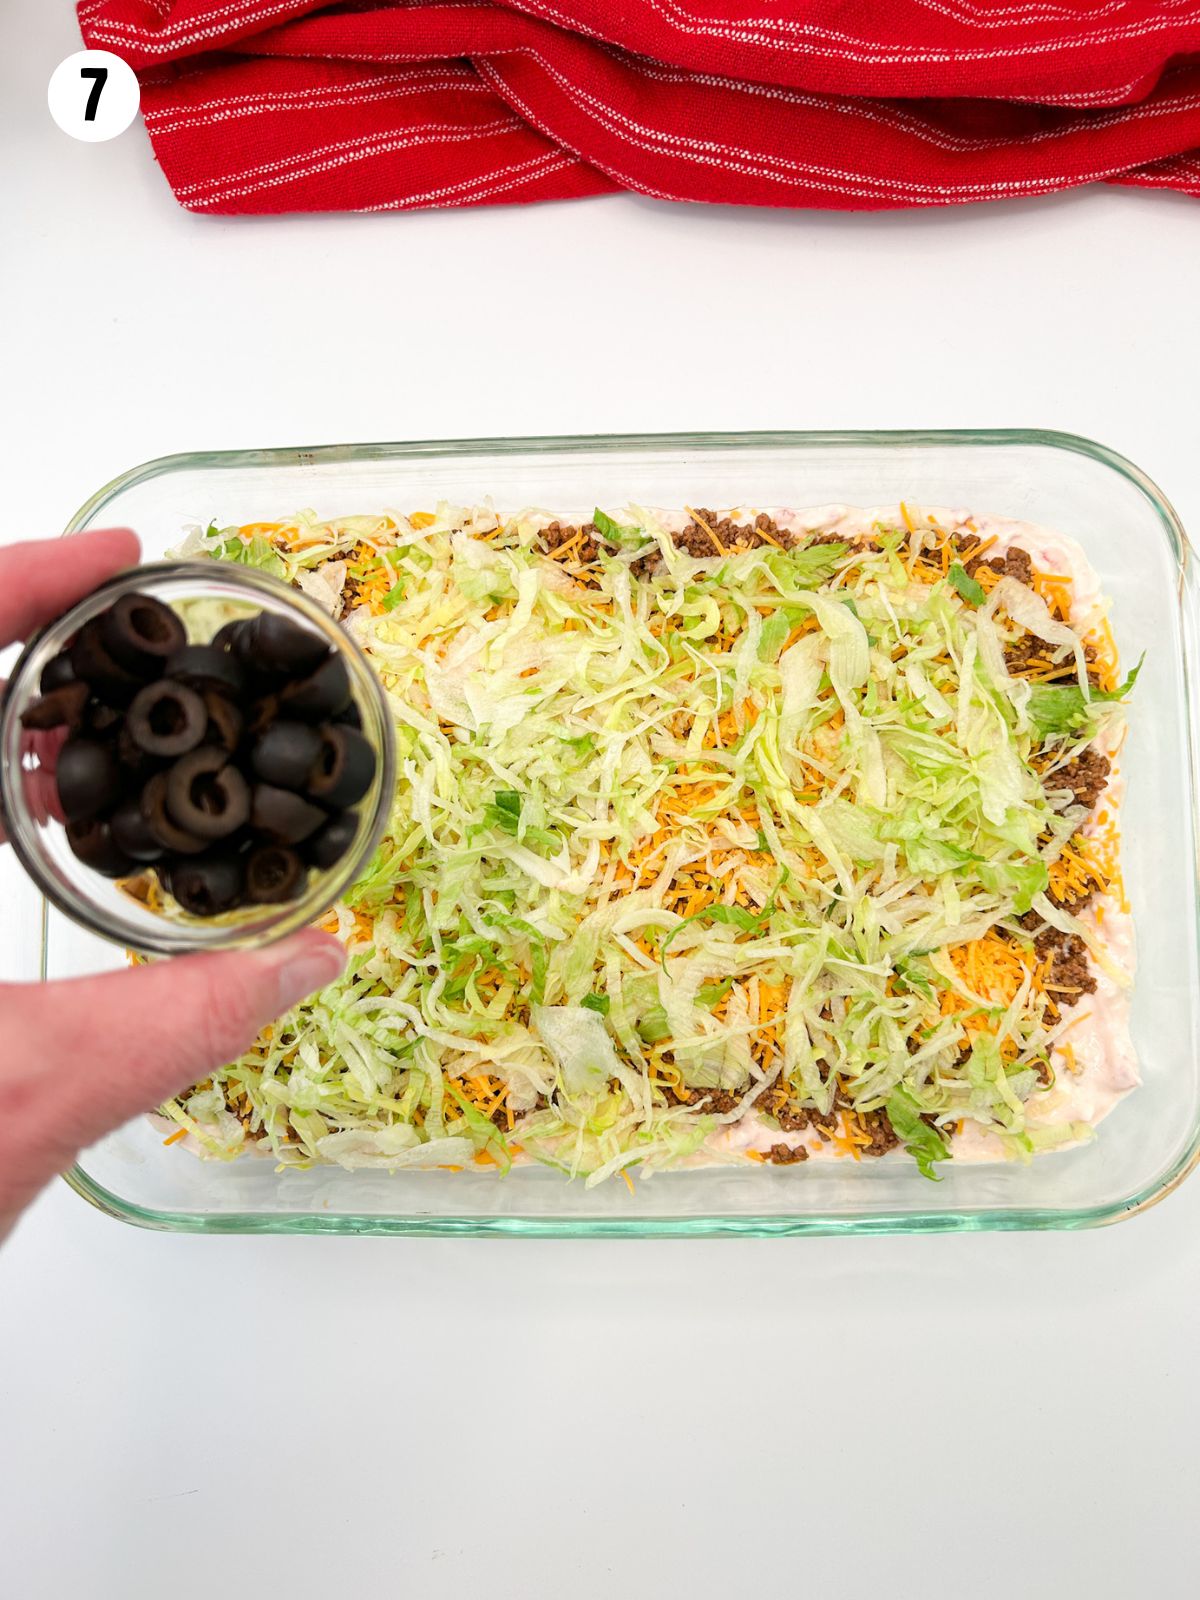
(94, 1052)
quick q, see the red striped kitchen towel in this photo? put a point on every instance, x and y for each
(303, 105)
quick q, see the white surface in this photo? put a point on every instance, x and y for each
(188, 1417)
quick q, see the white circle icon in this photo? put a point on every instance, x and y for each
(93, 95)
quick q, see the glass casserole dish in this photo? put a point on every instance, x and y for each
(1135, 542)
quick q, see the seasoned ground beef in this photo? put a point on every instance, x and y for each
(1085, 776)
(1072, 902)
(718, 1101)
(790, 1118)
(556, 534)
(1070, 976)
(697, 541)
(1029, 654)
(859, 543)
(1032, 656)
(969, 549)
(882, 1134)
(732, 536)
(1014, 563)
(793, 1118)
(735, 537)
(783, 1155)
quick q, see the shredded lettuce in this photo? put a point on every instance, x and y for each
(1062, 709)
(721, 823)
(253, 552)
(615, 532)
(970, 588)
(923, 1142)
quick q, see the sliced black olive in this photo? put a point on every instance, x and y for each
(167, 719)
(103, 722)
(202, 666)
(320, 697)
(206, 795)
(140, 633)
(330, 844)
(224, 721)
(91, 662)
(261, 715)
(226, 637)
(168, 832)
(57, 673)
(280, 645)
(286, 753)
(343, 771)
(283, 817)
(131, 832)
(138, 763)
(89, 779)
(351, 717)
(60, 708)
(208, 884)
(92, 843)
(274, 874)
(260, 678)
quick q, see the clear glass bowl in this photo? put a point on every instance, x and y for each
(1142, 1151)
(96, 902)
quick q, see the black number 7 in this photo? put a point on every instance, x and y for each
(100, 75)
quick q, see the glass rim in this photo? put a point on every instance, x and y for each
(325, 888)
(932, 1220)
(554, 444)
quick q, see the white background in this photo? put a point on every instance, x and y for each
(187, 1417)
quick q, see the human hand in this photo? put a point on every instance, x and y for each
(80, 1057)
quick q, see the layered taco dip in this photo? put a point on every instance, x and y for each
(720, 837)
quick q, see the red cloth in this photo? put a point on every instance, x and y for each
(302, 105)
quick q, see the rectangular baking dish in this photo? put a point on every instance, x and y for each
(1143, 1150)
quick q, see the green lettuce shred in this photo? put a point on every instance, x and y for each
(711, 823)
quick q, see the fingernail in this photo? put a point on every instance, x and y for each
(309, 969)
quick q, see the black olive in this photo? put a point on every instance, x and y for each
(91, 662)
(60, 708)
(274, 874)
(168, 833)
(137, 762)
(261, 679)
(224, 721)
(351, 717)
(343, 771)
(285, 754)
(226, 637)
(261, 715)
(167, 719)
(330, 844)
(283, 817)
(140, 633)
(279, 645)
(89, 779)
(320, 697)
(206, 795)
(57, 673)
(92, 843)
(202, 666)
(131, 832)
(103, 722)
(208, 884)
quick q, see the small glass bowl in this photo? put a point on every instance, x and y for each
(97, 902)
